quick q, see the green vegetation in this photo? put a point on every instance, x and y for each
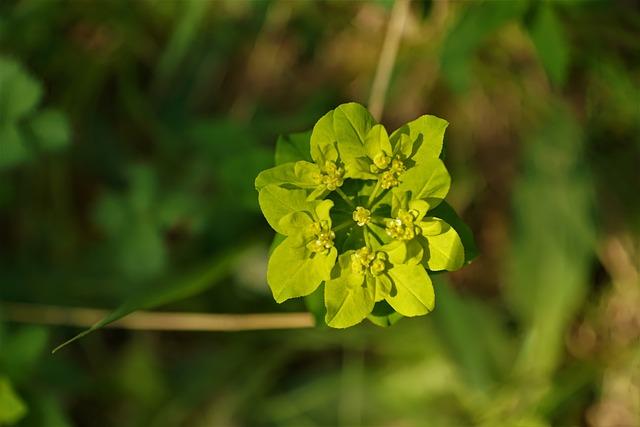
(131, 136)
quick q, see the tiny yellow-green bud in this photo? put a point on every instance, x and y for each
(381, 160)
(377, 267)
(361, 259)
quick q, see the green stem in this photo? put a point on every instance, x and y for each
(379, 220)
(365, 232)
(342, 226)
(373, 194)
(344, 197)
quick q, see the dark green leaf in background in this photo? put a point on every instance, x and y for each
(548, 35)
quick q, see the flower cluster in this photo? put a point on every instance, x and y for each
(361, 211)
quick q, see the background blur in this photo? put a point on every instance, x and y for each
(130, 135)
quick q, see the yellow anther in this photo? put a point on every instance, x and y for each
(333, 176)
(362, 216)
(323, 237)
(361, 259)
(403, 227)
(388, 179)
(397, 166)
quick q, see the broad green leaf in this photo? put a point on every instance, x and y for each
(404, 251)
(293, 147)
(348, 298)
(51, 130)
(293, 271)
(426, 135)
(443, 251)
(412, 293)
(277, 202)
(551, 43)
(351, 123)
(377, 141)
(429, 181)
(322, 209)
(13, 149)
(295, 223)
(323, 139)
(175, 289)
(19, 92)
(432, 226)
(299, 174)
(12, 408)
(445, 212)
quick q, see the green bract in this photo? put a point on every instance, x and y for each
(363, 212)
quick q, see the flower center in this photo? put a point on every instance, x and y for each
(403, 227)
(323, 237)
(362, 216)
(390, 169)
(364, 258)
(361, 259)
(332, 176)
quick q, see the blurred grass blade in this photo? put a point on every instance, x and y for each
(182, 38)
(173, 291)
(553, 240)
(474, 334)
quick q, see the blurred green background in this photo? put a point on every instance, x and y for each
(130, 135)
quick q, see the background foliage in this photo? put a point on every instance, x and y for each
(130, 135)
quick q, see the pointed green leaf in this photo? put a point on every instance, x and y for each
(293, 147)
(426, 135)
(177, 288)
(429, 181)
(412, 293)
(277, 202)
(299, 174)
(293, 271)
(443, 251)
